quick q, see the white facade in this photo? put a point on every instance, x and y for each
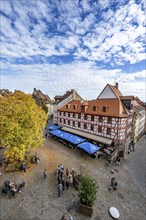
(107, 94)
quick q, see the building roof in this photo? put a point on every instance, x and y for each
(110, 91)
(114, 107)
(126, 97)
(115, 90)
(40, 95)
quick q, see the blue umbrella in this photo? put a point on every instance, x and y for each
(88, 147)
(75, 139)
(54, 127)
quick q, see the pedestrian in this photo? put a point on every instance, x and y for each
(70, 179)
(73, 172)
(23, 167)
(109, 160)
(63, 217)
(38, 160)
(13, 191)
(67, 172)
(73, 201)
(59, 178)
(45, 174)
(69, 216)
(59, 189)
(61, 174)
(56, 173)
(62, 166)
(67, 183)
(115, 185)
(112, 181)
(63, 184)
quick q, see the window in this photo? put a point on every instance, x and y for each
(64, 113)
(73, 123)
(85, 126)
(104, 109)
(109, 131)
(68, 114)
(109, 120)
(79, 116)
(99, 129)
(75, 106)
(100, 118)
(82, 108)
(79, 124)
(92, 127)
(68, 122)
(68, 106)
(85, 117)
(92, 118)
(63, 121)
(73, 115)
(94, 108)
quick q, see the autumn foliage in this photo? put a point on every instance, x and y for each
(22, 124)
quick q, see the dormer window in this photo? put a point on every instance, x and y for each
(75, 106)
(104, 109)
(68, 106)
(94, 108)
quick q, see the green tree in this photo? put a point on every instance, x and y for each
(22, 123)
(87, 190)
(45, 108)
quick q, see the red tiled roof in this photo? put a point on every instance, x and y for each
(114, 107)
(126, 97)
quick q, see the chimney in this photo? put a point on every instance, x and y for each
(117, 85)
(73, 92)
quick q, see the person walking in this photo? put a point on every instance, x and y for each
(63, 184)
(113, 181)
(45, 174)
(67, 183)
(59, 189)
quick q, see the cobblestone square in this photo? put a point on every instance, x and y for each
(39, 199)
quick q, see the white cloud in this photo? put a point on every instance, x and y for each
(85, 77)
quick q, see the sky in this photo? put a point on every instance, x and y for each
(60, 45)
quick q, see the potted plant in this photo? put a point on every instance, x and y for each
(87, 194)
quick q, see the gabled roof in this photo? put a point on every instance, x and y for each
(40, 95)
(115, 90)
(110, 91)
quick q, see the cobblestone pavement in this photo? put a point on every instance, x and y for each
(39, 199)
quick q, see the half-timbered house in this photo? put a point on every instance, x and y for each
(105, 120)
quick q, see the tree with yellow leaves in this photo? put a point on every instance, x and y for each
(21, 125)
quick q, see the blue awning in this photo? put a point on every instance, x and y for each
(56, 132)
(54, 127)
(74, 139)
(88, 147)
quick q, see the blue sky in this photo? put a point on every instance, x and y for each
(59, 45)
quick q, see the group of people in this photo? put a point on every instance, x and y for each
(64, 178)
(114, 183)
(13, 187)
